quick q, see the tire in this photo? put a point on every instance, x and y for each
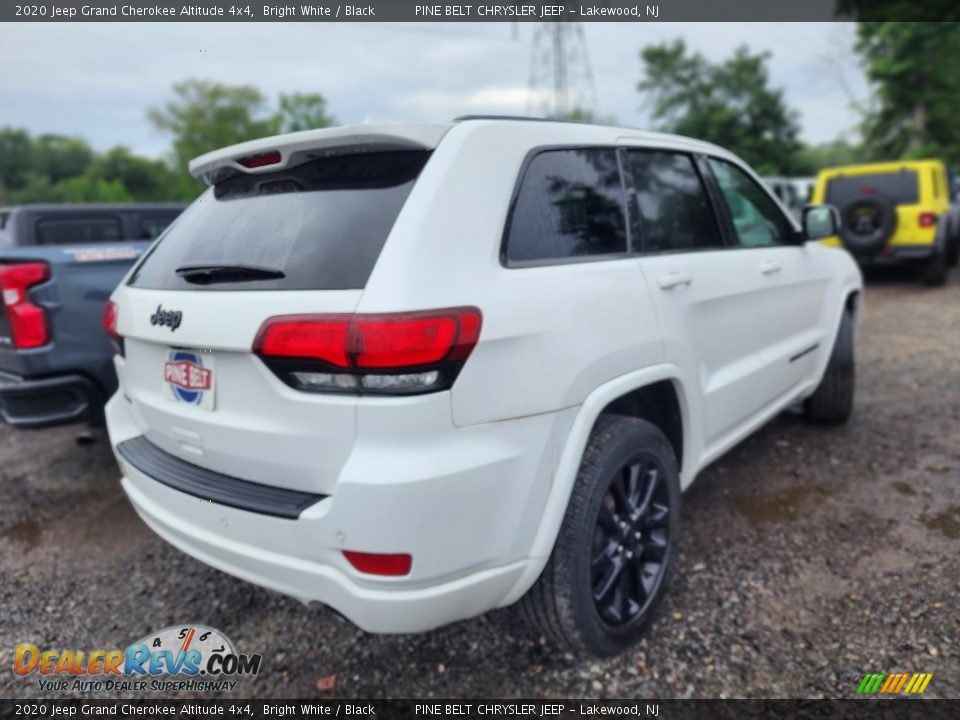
(953, 245)
(953, 239)
(832, 401)
(867, 224)
(935, 269)
(628, 464)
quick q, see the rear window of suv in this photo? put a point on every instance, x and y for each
(75, 231)
(900, 188)
(320, 225)
(569, 206)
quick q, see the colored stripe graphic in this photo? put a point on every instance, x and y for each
(918, 683)
(870, 683)
(894, 683)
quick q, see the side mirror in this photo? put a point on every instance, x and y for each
(820, 221)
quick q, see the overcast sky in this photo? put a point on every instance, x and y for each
(97, 80)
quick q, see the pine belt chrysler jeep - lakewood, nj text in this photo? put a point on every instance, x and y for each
(417, 372)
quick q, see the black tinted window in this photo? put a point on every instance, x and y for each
(73, 231)
(321, 224)
(150, 227)
(900, 188)
(570, 204)
(757, 220)
(675, 213)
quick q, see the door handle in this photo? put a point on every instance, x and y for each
(674, 280)
(771, 267)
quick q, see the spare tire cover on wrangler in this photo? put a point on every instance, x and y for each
(868, 205)
(867, 223)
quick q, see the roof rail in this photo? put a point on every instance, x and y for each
(528, 118)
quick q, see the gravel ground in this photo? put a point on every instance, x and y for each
(809, 557)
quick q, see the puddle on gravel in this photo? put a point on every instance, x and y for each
(781, 505)
(946, 522)
(27, 532)
(903, 488)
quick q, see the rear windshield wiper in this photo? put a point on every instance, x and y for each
(206, 273)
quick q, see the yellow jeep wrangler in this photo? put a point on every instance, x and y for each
(894, 212)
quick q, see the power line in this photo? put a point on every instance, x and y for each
(561, 75)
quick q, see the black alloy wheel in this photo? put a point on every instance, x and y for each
(613, 556)
(630, 542)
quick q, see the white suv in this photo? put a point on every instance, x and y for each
(417, 372)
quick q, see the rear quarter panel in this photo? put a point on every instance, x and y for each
(551, 334)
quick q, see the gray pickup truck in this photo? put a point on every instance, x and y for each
(58, 266)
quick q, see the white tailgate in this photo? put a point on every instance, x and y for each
(250, 425)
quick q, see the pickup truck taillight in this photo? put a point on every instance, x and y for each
(28, 322)
(110, 326)
(927, 219)
(392, 354)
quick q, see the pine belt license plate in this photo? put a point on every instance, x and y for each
(189, 377)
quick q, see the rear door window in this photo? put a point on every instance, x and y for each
(317, 226)
(569, 207)
(675, 213)
(900, 188)
(79, 230)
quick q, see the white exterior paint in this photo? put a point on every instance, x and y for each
(473, 482)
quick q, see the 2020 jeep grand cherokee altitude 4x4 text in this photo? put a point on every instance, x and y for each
(416, 372)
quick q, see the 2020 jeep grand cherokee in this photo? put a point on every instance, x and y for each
(416, 372)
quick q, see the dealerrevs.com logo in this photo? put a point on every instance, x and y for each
(181, 657)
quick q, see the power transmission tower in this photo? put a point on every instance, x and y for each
(561, 79)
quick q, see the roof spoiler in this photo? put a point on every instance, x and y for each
(275, 153)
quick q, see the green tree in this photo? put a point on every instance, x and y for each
(83, 188)
(730, 103)
(58, 157)
(16, 148)
(303, 111)
(913, 69)
(205, 115)
(142, 178)
(814, 158)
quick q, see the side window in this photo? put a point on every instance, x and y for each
(756, 218)
(74, 231)
(150, 227)
(569, 205)
(675, 213)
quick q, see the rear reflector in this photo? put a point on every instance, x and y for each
(927, 219)
(397, 353)
(378, 564)
(28, 322)
(260, 160)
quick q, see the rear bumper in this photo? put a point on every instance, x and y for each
(39, 403)
(382, 609)
(900, 253)
(465, 503)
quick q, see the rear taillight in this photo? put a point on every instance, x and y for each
(28, 322)
(110, 312)
(379, 564)
(927, 219)
(399, 353)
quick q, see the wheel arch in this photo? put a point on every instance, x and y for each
(630, 394)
